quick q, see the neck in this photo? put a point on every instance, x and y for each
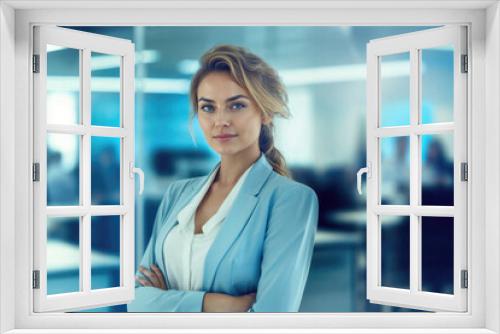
(234, 165)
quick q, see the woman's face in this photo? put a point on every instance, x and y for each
(228, 116)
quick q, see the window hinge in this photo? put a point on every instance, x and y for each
(36, 279)
(464, 171)
(36, 63)
(36, 171)
(465, 64)
(465, 279)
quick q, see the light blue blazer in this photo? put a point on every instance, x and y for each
(264, 245)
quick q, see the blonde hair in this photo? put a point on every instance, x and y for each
(260, 80)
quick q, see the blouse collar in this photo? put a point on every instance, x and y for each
(186, 215)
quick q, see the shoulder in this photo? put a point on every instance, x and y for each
(281, 188)
(283, 184)
(179, 188)
(292, 206)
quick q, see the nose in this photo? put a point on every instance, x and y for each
(222, 118)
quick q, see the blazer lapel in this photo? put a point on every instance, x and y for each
(172, 218)
(236, 218)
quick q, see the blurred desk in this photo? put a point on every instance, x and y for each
(65, 257)
(357, 218)
(63, 269)
(355, 221)
(331, 284)
(327, 237)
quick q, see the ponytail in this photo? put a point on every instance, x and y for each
(273, 155)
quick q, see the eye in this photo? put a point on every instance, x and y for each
(238, 106)
(207, 108)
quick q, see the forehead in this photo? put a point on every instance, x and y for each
(219, 85)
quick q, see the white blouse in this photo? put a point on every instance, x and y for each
(184, 252)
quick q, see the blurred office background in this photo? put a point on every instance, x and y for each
(324, 69)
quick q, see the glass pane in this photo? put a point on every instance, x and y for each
(395, 89)
(105, 88)
(63, 85)
(437, 169)
(63, 169)
(437, 84)
(63, 254)
(395, 170)
(437, 254)
(105, 187)
(395, 261)
(105, 240)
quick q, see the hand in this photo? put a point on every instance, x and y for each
(153, 277)
(219, 302)
(243, 303)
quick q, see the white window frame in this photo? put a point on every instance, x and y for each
(85, 43)
(16, 215)
(412, 44)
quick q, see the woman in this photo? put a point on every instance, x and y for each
(241, 238)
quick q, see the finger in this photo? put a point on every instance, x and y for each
(143, 277)
(150, 276)
(159, 275)
(143, 282)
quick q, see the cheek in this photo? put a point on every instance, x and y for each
(204, 123)
(253, 125)
(256, 130)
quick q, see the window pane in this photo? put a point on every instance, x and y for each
(395, 241)
(105, 240)
(437, 254)
(105, 88)
(63, 85)
(63, 169)
(437, 169)
(436, 73)
(105, 171)
(63, 254)
(395, 89)
(395, 170)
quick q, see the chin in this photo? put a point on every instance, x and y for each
(232, 149)
(227, 150)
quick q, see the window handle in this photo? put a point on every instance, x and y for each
(363, 170)
(138, 171)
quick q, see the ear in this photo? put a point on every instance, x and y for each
(266, 119)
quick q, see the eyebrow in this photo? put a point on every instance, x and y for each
(232, 98)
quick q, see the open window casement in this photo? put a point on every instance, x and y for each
(66, 130)
(402, 119)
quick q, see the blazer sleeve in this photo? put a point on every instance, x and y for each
(287, 252)
(151, 299)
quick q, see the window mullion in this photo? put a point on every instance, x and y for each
(414, 170)
(85, 253)
(85, 179)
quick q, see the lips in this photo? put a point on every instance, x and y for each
(224, 136)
